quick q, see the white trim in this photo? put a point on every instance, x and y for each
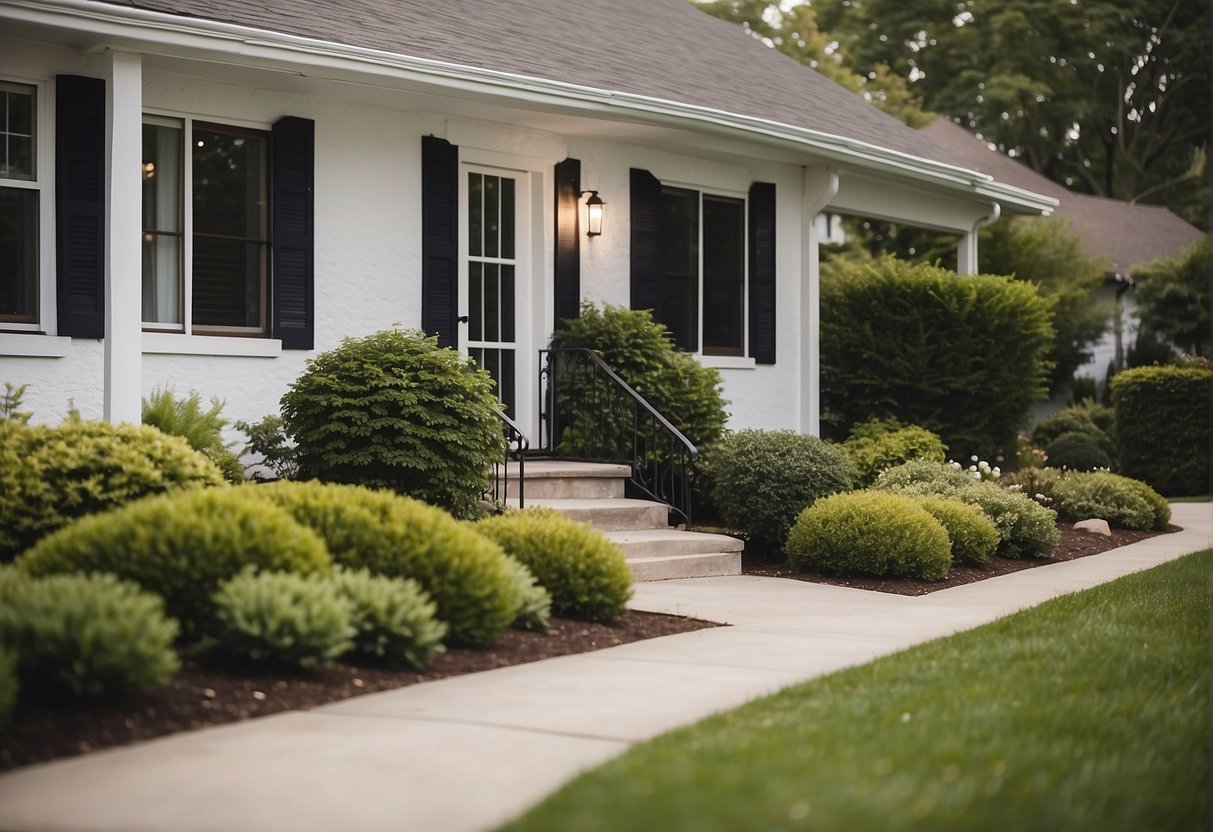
(170, 343)
(158, 33)
(33, 345)
(727, 362)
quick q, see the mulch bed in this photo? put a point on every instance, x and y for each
(1074, 544)
(204, 695)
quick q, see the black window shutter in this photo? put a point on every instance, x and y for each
(762, 272)
(645, 198)
(440, 239)
(80, 205)
(292, 205)
(567, 265)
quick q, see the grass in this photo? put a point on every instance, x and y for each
(1089, 712)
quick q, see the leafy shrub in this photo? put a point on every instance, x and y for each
(536, 610)
(463, 572)
(1036, 483)
(964, 356)
(92, 636)
(922, 476)
(10, 686)
(201, 428)
(1173, 298)
(974, 538)
(761, 480)
(883, 443)
(49, 476)
(10, 404)
(1076, 419)
(586, 574)
(642, 353)
(268, 440)
(1121, 501)
(393, 618)
(181, 546)
(393, 410)
(870, 533)
(283, 618)
(1077, 452)
(1164, 426)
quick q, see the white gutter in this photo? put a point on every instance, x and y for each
(152, 32)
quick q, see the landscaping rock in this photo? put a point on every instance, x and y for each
(1094, 526)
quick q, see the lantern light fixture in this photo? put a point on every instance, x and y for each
(594, 210)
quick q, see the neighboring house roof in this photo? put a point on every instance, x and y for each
(1122, 233)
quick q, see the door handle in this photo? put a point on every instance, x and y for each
(463, 319)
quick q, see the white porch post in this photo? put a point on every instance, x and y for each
(123, 262)
(820, 186)
(966, 253)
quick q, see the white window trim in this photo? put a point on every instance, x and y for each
(172, 343)
(33, 345)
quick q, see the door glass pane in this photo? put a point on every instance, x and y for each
(475, 214)
(507, 304)
(18, 255)
(492, 302)
(505, 386)
(723, 275)
(475, 302)
(492, 220)
(507, 218)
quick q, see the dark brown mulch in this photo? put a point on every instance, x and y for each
(1073, 544)
(204, 695)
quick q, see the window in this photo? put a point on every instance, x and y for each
(19, 205)
(701, 285)
(205, 227)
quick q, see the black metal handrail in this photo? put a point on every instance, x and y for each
(586, 411)
(516, 446)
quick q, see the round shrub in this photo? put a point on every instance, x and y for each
(1121, 501)
(49, 476)
(282, 618)
(1164, 426)
(90, 636)
(462, 571)
(879, 444)
(181, 546)
(586, 574)
(870, 533)
(395, 410)
(393, 619)
(974, 538)
(536, 610)
(1073, 419)
(10, 686)
(1077, 452)
(1026, 529)
(760, 480)
(642, 353)
(924, 477)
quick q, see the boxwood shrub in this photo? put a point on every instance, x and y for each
(1077, 451)
(283, 618)
(870, 533)
(974, 538)
(462, 571)
(1094, 419)
(878, 444)
(395, 410)
(394, 620)
(1164, 427)
(1122, 501)
(86, 636)
(536, 610)
(761, 480)
(181, 546)
(586, 574)
(49, 476)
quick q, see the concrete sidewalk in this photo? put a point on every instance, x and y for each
(471, 752)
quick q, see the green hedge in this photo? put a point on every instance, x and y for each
(964, 356)
(1164, 427)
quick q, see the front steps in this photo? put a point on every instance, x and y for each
(593, 493)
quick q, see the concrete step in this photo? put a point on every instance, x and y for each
(609, 514)
(650, 543)
(710, 565)
(558, 479)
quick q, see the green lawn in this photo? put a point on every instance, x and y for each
(1089, 712)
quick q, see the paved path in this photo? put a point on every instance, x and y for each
(470, 752)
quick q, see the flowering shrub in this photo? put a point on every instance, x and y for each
(1028, 455)
(979, 469)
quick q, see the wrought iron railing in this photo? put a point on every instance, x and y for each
(586, 411)
(516, 446)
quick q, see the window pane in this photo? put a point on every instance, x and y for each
(161, 278)
(678, 288)
(227, 282)
(723, 275)
(229, 184)
(18, 255)
(161, 177)
(21, 113)
(16, 131)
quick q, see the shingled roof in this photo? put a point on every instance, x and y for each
(663, 49)
(1119, 232)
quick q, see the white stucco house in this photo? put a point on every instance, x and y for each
(204, 193)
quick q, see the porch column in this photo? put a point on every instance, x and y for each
(123, 263)
(820, 186)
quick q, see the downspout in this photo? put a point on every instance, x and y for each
(820, 187)
(966, 253)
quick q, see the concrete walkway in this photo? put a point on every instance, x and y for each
(471, 752)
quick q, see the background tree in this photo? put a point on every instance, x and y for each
(1173, 299)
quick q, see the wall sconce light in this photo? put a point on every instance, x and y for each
(594, 210)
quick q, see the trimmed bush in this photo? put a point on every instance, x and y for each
(463, 572)
(925, 477)
(1121, 501)
(1077, 452)
(393, 618)
(394, 410)
(282, 618)
(201, 428)
(585, 573)
(49, 476)
(10, 686)
(181, 546)
(878, 444)
(90, 636)
(974, 538)
(536, 610)
(870, 533)
(1094, 420)
(642, 353)
(964, 356)
(1164, 427)
(761, 480)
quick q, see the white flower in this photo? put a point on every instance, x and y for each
(973, 469)
(983, 465)
(976, 475)
(973, 458)
(955, 465)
